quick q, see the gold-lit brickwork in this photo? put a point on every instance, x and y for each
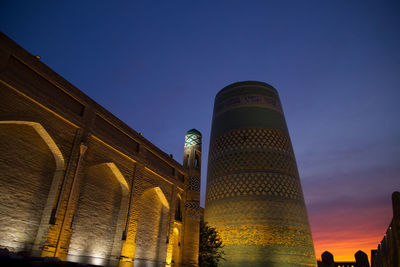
(257, 183)
(78, 184)
(264, 235)
(267, 256)
(261, 209)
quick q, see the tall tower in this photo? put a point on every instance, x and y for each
(192, 161)
(254, 196)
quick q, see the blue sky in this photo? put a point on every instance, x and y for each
(157, 65)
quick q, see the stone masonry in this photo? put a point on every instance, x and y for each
(79, 184)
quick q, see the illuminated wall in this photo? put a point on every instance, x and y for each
(78, 184)
(152, 230)
(254, 196)
(96, 219)
(27, 168)
(176, 246)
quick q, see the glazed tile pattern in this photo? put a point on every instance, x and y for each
(249, 101)
(192, 139)
(254, 184)
(251, 138)
(252, 160)
(193, 209)
(254, 196)
(194, 184)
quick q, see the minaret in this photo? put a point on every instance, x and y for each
(254, 197)
(192, 162)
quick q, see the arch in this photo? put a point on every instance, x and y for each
(160, 195)
(197, 160)
(58, 157)
(176, 247)
(152, 230)
(121, 179)
(178, 208)
(99, 219)
(36, 166)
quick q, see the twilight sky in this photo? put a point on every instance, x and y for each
(157, 65)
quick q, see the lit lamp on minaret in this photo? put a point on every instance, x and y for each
(192, 162)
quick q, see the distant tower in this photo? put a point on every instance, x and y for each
(192, 161)
(327, 259)
(361, 259)
(254, 196)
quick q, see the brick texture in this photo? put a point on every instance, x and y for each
(27, 168)
(76, 182)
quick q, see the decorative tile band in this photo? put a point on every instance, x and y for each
(194, 184)
(254, 184)
(245, 161)
(251, 138)
(256, 209)
(192, 139)
(248, 101)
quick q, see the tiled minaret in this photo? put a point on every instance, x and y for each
(192, 161)
(254, 196)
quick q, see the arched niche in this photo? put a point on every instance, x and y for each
(45, 136)
(99, 219)
(176, 247)
(31, 166)
(178, 208)
(151, 235)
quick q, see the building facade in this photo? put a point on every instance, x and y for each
(254, 197)
(79, 184)
(388, 251)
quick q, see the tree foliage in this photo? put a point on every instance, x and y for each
(210, 247)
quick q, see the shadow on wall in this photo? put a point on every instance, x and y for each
(97, 221)
(29, 166)
(151, 235)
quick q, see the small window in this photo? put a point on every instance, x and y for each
(185, 161)
(178, 212)
(197, 161)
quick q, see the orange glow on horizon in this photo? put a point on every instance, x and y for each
(344, 242)
(344, 230)
(344, 250)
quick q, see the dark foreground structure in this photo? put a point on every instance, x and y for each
(388, 251)
(254, 196)
(78, 184)
(327, 260)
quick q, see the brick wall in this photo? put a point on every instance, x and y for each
(76, 182)
(95, 222)
(27, 167)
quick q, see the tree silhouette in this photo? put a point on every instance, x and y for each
(210, 247)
